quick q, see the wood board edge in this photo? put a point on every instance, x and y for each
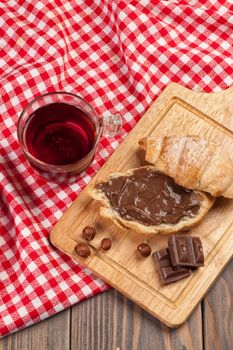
(175, 316)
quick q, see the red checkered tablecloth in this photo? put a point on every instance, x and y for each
(118, 55)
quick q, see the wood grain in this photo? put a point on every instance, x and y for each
(110, 321)
(173, 113)
(50, 334)
(218, 313)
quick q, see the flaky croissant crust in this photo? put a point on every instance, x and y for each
(192, 162)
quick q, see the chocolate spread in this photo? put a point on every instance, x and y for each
(150, 198)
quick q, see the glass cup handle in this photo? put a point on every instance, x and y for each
(112, 124)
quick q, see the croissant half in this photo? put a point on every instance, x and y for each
(107, 210)
(192, 162)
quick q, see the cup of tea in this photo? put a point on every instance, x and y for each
(59, 132)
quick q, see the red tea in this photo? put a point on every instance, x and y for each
(59, 134)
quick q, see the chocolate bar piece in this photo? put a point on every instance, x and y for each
(168, 272)
(186, 251)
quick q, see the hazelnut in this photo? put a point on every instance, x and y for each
(89, 233)
(106, 243)
(144, 249)
(82, 250)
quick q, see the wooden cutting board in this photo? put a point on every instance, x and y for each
(177, 111)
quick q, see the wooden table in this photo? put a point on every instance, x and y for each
(110, 321)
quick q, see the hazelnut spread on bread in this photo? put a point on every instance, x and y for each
(129, 206)
(150, 197)
(172, 194)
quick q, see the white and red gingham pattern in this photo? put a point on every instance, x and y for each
(117, 54)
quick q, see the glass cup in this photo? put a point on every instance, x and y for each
(59, 133)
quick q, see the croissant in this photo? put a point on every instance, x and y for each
(192, 162)
(129, 199)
